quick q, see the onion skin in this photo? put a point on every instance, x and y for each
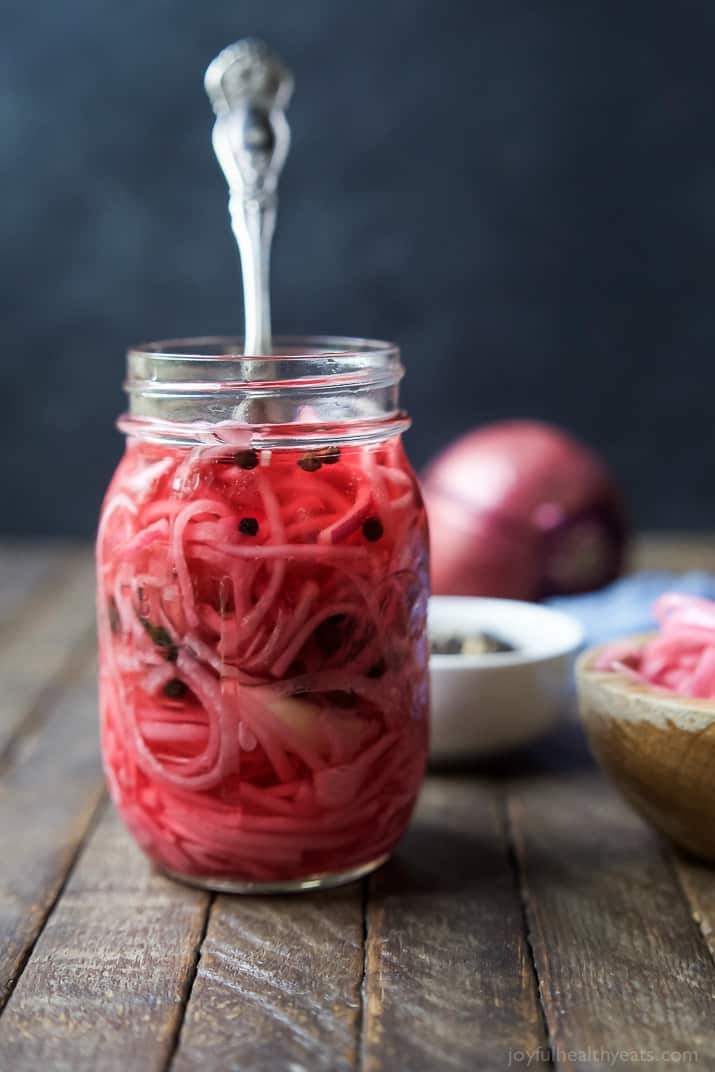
(522, 510)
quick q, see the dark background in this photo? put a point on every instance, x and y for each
(521, 193)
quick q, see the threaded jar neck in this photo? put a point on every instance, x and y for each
(312, 388)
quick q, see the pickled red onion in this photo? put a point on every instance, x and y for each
(680, 657)
(263, 685)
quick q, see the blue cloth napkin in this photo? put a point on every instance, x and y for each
(625, 606)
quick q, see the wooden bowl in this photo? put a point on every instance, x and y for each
(658, 748)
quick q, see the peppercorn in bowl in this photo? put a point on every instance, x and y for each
(500, 673)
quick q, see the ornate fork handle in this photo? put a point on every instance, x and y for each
(249, 89)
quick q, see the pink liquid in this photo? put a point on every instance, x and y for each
(263, 656)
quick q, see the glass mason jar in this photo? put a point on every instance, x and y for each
(262, 598)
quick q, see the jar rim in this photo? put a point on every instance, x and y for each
(183, 363)
(178, 387)
(199, 347)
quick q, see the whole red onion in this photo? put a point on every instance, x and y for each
(522, 510)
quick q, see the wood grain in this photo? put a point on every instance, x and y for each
(449, 983)
(698, 882)
(621, 965)
(41, 648)
(47, 798)
(277, 986)
(676, 551)
(24, 572)
(618, 929)
(107, 980)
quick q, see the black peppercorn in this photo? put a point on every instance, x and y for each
(309, 463)
(175, 689)
(328, 455)
(246, 459)
(372, 529)
(248, 526)
(329, 634)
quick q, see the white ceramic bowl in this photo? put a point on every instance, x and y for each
(488, 703)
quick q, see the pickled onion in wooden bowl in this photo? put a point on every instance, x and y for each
(522, 510)
(648, 707)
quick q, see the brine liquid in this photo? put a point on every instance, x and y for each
(263, 656)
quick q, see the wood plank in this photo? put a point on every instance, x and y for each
(449, 982)
(45, 643)
(105, 986)
(48, 795)
(698, 882)
(676, 551)
(620, 963)
(25, 570)
(448, 979)
(277, 986)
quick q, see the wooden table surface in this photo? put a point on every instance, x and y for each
(529, 918)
